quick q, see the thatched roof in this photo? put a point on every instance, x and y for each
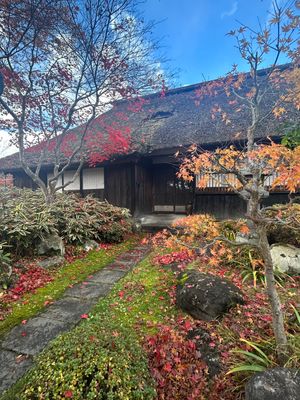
(177, 118)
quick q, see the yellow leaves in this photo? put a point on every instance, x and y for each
(279, 111)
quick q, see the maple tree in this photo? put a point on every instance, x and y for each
(63, 63)
(254, 170)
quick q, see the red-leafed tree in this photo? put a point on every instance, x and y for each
(63, 63)
(253, 170)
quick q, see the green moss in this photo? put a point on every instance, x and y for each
(75, 272)
(139, 299)
(135, 306)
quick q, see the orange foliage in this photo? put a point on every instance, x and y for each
(238, 167)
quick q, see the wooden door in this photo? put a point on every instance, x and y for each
(170, 194)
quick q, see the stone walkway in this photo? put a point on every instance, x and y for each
(24, 342)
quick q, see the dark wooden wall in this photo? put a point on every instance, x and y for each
(22, 180)
(224, 206)
(143, 188)
(119, 185)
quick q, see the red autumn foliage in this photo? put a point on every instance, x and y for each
(174, 365)
(175, 257)
(28, 280)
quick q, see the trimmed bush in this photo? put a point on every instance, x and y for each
(25, 219)
(94, 361)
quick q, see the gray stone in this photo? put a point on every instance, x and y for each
(251, 239)
(90, 245)
(205, 296)
(68, 309)
(51, 262)
(88, 290)
(107, 276)
(34, 336)
(51, 245)
(13, 366)
(274, 384)
(210, 355)
(286, 258)
(120, 266)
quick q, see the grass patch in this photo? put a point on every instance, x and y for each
(135, 306)
(73, 273)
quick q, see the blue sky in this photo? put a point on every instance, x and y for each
(193, 33)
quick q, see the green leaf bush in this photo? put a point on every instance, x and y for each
(98, 360)
(5, 267)
(25, 219)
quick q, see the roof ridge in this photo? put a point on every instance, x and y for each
(193, 86)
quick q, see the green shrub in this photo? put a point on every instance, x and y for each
(5, 267)
(25, 219)
(94, 361)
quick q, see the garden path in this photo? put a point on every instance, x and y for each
(24, 342)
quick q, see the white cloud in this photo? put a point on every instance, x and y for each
(6, 148)
(230, 12)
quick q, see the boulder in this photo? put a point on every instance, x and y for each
(274, 384)
(51, 245)
(90, 245)
(205, 296)
(210, 355)
(286, 258)
(51, 262)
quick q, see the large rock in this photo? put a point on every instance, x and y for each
(205, 296)
(286, 258)
(274, 384)
(51, 245)
(51, 262)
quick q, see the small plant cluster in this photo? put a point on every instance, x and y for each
(178, 372)
(94, 361)
(25, 219)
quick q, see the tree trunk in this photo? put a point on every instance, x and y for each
(276, 308)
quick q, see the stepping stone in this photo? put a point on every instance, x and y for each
(34, 336)
(107, 276)
(68, 309)
(120, 265)
(89, 290)
(129, 257)
(13, 366)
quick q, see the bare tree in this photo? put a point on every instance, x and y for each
(63, 63)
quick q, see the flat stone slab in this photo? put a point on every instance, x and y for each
(107, 276)
(68, 309)
(133, 258)
(13, 366)
(120, 265)
(88, 290)
(32, 337)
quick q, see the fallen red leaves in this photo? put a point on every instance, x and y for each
(172, 356)
(178, 372)
(29, 278)
(175, 257)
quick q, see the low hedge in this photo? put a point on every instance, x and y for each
(25, 219)
(92, 362)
